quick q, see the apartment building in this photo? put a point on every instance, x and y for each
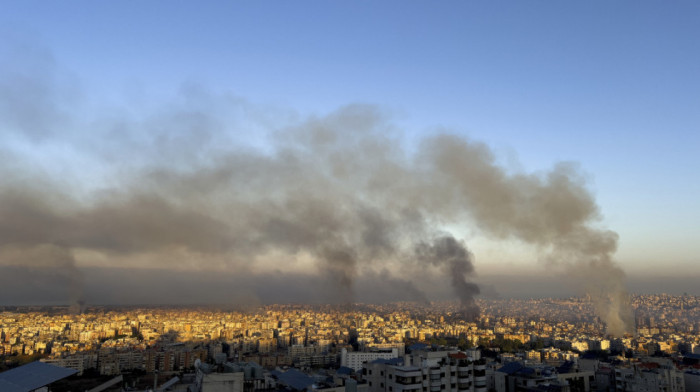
(427, 371)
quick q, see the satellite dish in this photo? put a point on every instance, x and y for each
(197, 363)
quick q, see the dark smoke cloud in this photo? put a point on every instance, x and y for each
(454, 258)
(553, 211)
(339, 197)
(20, 285)
(33, 269)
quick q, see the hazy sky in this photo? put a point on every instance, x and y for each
(99, 98)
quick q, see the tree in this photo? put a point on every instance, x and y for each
(464, 344)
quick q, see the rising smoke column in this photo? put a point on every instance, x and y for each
(343, 191)
(449, 254)
(554, 211)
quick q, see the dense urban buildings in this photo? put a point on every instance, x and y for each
(401, 347)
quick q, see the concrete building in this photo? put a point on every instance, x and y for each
(222, 382)
(692, 380)
(427, 371)
(79, 362)
(516, 377)
(207, 381)
(649, 376)
(355, 359)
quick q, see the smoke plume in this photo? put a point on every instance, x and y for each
(340, 197)
(55, 263)
(455, 259)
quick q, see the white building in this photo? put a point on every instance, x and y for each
(355, 359)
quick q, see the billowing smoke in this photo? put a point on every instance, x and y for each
(340, 197)
(455, 259)
(554, 212)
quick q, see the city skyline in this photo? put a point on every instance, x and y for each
(347, 150)
(289, 344)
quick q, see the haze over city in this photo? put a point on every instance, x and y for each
(348, 152)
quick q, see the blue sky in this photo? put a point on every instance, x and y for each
(613, 86)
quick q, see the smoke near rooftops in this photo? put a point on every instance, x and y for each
(340, 196)
(454, 258)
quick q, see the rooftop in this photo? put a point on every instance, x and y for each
(32, 376)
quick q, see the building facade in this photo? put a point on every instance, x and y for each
(427, 371)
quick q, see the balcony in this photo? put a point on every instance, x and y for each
(408, 388)
(415, 381)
